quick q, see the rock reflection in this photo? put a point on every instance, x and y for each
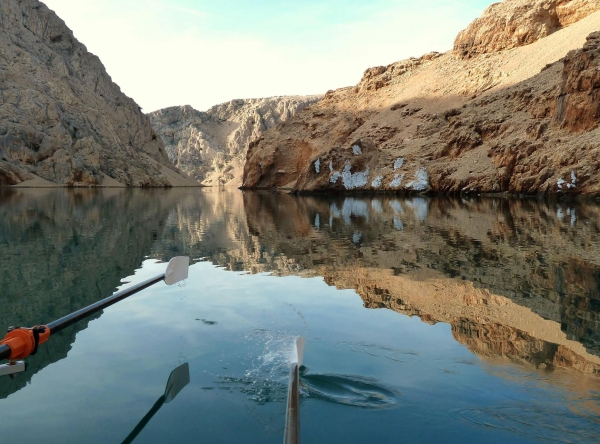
(518, 249)
(517, 279)
(61, 250)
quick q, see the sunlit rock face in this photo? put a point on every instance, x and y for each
(211, 146)
(523, 120)
(513, 23)
(62, 118)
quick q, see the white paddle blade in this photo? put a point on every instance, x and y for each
(299, 350)
(177, 270)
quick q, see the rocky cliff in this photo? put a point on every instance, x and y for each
(62, 119)
(499, 118)
(211, 146)
(513, 23)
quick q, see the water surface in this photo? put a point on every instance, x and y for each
(426, 319)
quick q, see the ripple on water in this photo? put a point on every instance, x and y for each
(266, 380)
(379, 351)
(357, 391)
(543, 422)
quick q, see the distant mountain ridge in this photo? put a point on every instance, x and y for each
(211, 146)
(63, 121)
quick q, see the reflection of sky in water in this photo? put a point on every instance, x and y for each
(238, 362)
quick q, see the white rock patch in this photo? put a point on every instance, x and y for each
(398, 163)
(397, 181)
(573, 180)
(560, 182)
(356, 150)
(355, 180)
(377, 182)
(334, 177)
(331, 166)
(318, 166)
(421, 181)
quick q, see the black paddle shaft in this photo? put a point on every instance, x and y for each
(65, 321)
(5, 352)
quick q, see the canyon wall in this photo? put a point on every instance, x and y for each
(211, 146)
(63, 121)
(522, 120)
(513, 23)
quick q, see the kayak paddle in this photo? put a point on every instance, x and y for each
(21, 342)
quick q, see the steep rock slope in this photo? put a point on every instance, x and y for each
(62, 119)
(211, 146)
(514, 23)
(510, 121)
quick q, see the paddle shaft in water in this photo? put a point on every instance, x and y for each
(292, 420)
(292, 416)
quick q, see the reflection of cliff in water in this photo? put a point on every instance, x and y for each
(62, 250)
(544, 256)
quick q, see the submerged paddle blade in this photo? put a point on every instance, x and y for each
(178, 379)
(299, 350)
(177, 270)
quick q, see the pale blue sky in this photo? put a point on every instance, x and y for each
(202, 53)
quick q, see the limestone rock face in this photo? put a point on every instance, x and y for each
(211, 146)
(525, 121)
(514, 23)
(61, 116)
(579, 102)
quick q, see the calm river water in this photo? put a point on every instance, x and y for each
(426, 319)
